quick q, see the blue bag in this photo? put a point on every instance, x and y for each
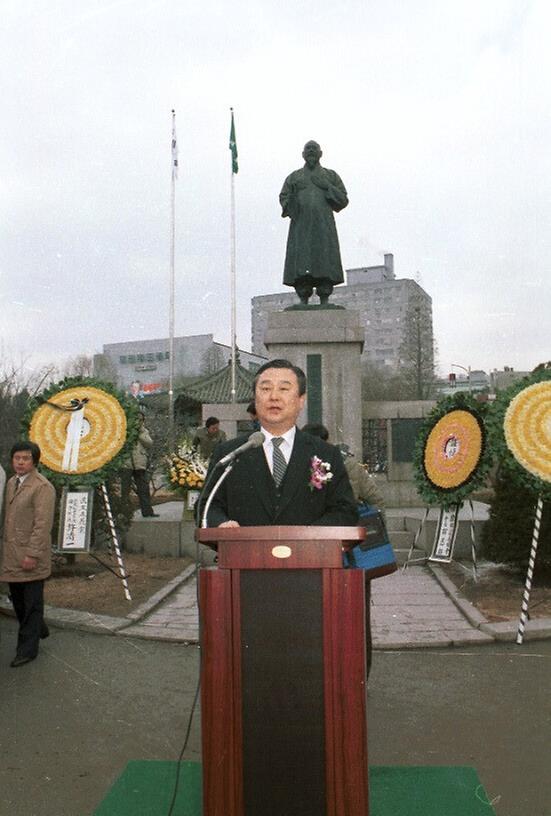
(375, 554)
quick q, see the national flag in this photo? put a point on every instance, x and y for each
(174, 148)
(233, 146)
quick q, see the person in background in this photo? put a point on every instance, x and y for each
(364, 487)
(363, 484)
(27, 547)
(365, 490)
(135, 467)
(208, 437)
(251, 410)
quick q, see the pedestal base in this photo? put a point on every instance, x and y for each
(327, 344)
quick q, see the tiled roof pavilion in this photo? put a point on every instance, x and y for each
(216, 388)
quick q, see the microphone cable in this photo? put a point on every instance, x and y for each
(197, 509)
(184, 746)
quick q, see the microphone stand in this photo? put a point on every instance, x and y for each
(227, 470)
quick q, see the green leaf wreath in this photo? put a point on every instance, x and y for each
(110, 469)
(508, 463)
(428, 489)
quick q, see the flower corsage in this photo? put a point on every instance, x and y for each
(320, 473)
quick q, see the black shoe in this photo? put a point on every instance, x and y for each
(151, 515)
(44, 632)
(20, 661)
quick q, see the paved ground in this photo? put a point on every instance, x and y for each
(411, 609)
(72, 719)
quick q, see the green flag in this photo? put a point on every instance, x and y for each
(233, 146)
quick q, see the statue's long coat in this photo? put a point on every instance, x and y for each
(309, 198)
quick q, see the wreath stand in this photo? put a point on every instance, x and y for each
(445, 558)
(75, 528)
(114, 540)
(530, 574)
(81, 425)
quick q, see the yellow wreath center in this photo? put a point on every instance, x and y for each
(103, 433)
(453, 449)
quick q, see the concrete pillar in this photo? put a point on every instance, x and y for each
(303, 336)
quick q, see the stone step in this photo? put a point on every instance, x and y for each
(401, 539)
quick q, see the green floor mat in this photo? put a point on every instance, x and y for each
(145, 788)
(426, 790)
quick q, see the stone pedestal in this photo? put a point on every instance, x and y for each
(326, 344)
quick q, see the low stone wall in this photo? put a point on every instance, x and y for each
(170, 537)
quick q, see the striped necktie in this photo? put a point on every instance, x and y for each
(279, 463)
(17, 484)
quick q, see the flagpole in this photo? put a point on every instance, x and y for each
(171, 286)
(233, 148)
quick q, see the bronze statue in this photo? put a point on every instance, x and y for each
(309, 197)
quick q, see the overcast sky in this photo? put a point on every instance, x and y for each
(436, 115)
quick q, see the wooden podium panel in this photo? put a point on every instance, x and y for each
(283, 678)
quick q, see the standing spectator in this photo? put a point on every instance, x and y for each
(27, 556)
(135, 467)
(364, 486)
(208, 437)
(251, 410)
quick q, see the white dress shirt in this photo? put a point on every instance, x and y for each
(286, 446)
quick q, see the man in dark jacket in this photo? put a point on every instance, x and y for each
(293, 478)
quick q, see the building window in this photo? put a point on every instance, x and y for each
(131, 358)
(167, 355)
(150, 357)
(122, 359)
(140, 358)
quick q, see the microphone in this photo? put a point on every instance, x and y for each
(255, 440)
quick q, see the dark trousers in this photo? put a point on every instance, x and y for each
(141, 480)
(27, 598)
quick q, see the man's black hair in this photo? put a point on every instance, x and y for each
(300, 375)
(25, 445)
(212, 421)
(317, 429)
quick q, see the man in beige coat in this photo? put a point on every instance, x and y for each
(29, 507)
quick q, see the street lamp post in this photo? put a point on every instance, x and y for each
(468, 370)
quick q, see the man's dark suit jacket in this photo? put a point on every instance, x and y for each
(250, 497)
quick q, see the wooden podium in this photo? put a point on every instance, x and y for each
(283, 695)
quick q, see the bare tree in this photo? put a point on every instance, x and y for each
(417, 350)
(382, 383)
(17, 386)
(80, 366)
(104, 369)
(212, 360)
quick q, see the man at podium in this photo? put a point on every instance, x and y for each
(290, 477)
